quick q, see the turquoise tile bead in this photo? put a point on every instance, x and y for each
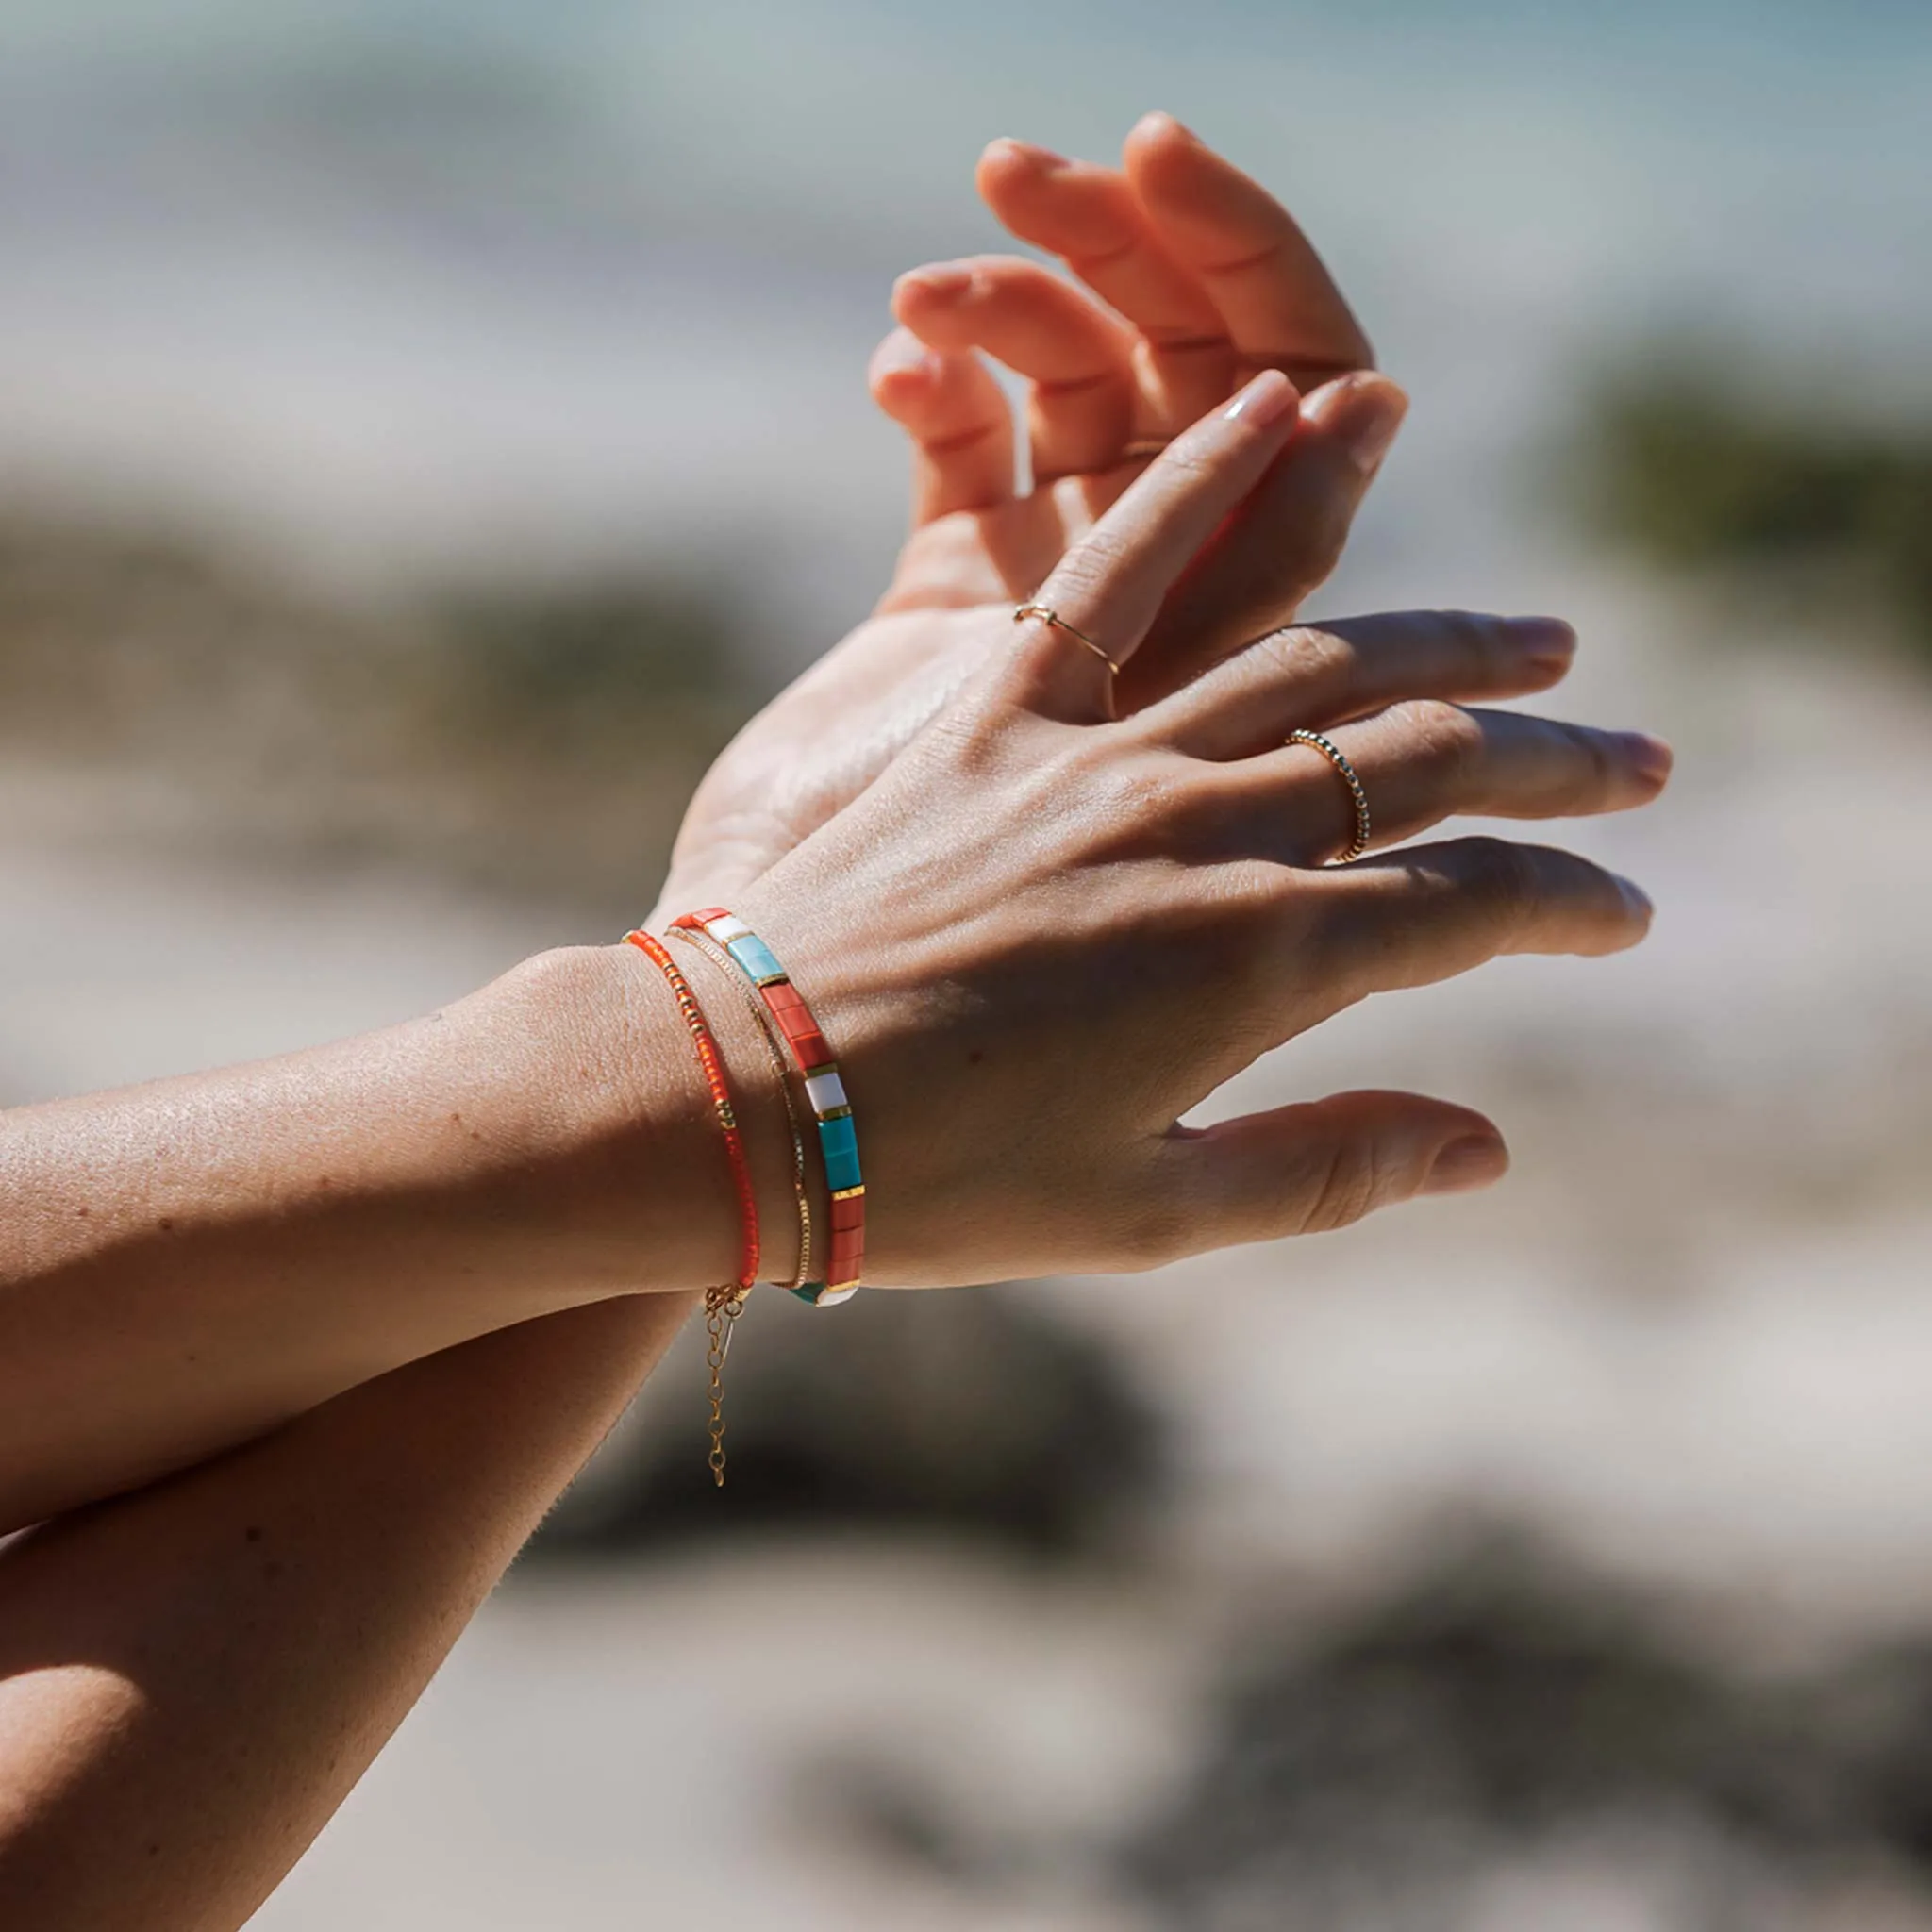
(756, 957)
(839, 1140)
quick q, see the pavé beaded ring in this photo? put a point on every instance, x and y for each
(1365, 825)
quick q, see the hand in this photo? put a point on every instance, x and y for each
(1208, 279)
(1044, 936)
(1036, 941)
(819, 744)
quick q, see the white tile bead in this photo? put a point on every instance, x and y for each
(825, 1091)
(728, 928)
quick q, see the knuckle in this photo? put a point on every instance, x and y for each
(1596, 771)
(1508, 878)
(1190, 459)
(974, 731)
(1085, 570)
(1303, 654)
(1440, 734)
(1349, 1181)
(1265, 923)
(1478, 638)
(1142, 799)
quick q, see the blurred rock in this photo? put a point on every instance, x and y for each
(971, 1414)
(1504, 1722)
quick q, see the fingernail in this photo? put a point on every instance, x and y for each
(1159, 118)
(1636, 898)
(902, 354)
(1265, 400)
(1473, 1161)
(1032, 151)
(942, 280)
(1651, 755)
(1548, 642)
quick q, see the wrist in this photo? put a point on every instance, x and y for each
(627, 1155)
(771, 1119)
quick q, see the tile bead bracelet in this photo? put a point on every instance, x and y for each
(823, 1089)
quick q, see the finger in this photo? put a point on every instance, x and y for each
(1286, 540)
(1429, 912)
(1320, 675)
(1424, 761)
(1317, 1166)
(960, 422)
(1093, 220)
(1109, 584)
(1079, 359)
(1279, 303)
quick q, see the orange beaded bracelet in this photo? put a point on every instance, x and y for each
(721, 1101)
(722, 1304)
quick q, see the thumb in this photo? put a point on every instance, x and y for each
(1323, 1164)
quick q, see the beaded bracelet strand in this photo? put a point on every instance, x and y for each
(838, 1137)
(768, 1031)
(722, 1304)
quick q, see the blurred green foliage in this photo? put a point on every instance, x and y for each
(528, 733)
(1688, 463)
(587, 659)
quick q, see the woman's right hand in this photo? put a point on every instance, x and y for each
(1044, 936)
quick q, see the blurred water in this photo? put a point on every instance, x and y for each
(419, 281)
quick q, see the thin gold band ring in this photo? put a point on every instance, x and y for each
(1316, 741)
(1022, 611)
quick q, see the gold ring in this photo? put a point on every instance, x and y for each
(1315, 741)
(1022, 611)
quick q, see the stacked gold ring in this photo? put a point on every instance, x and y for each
(1316, 741)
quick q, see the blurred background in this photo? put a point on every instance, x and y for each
(425, 430)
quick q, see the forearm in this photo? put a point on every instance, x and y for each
(188, 1264)
(193, 1676)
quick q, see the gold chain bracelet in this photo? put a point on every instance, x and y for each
(697, 937)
